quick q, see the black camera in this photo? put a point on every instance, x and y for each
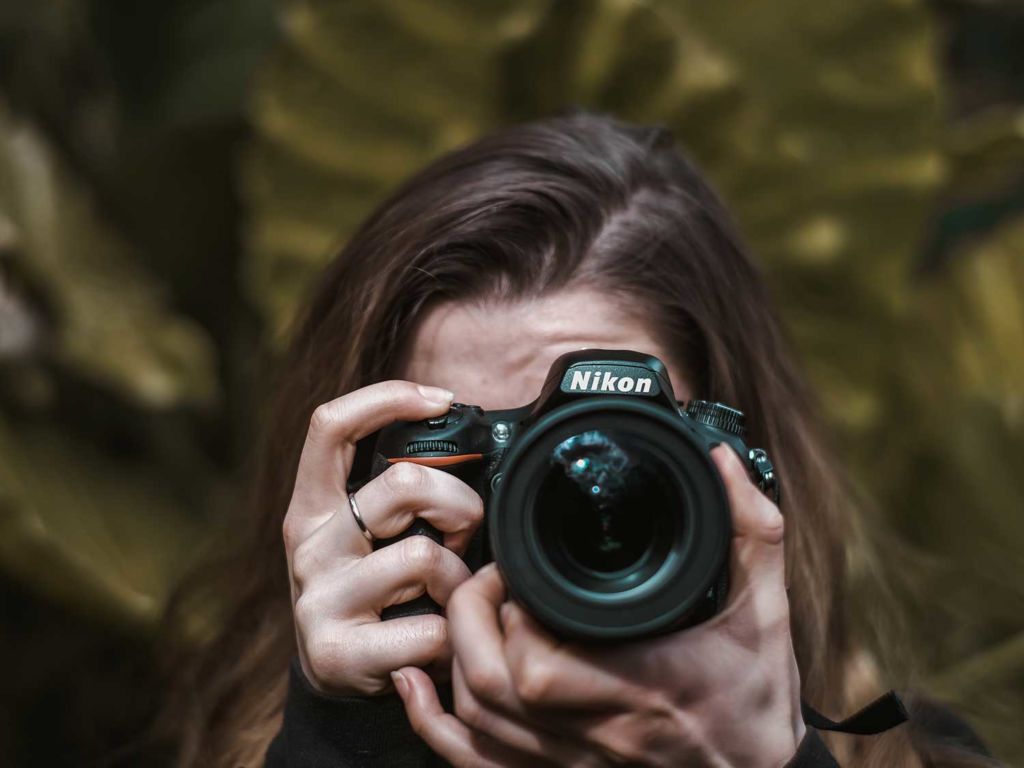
(605, 514)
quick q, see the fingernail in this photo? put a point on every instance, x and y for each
(436, 394)
(401, 684)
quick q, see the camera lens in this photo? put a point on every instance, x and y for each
(603, 506)
(610, 521)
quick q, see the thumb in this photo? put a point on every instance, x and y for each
(754, 516)
(758, 562)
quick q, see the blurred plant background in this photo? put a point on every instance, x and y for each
(172, 176)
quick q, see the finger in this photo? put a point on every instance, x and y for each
(359, 658)
(753, 515)
(477, 638)
(334, 429)
(510, 664)
(391, 501)
(757, 558)
(444, 733)
(548, 675)
(396, 574)
(516, 732)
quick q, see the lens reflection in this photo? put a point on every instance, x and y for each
(604, 501)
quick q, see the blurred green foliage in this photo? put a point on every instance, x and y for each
(172, 177)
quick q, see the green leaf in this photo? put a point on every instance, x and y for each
(115, 325)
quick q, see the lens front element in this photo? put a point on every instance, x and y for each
(606, 509)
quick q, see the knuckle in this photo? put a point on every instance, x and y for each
(405, 477)
(307, 563)
(290, 532)
(533, 682)
(304, 612)
(323, 418)
(328, 660)
(420, 554)
(476, 510)
(301, 566)
(485, 683)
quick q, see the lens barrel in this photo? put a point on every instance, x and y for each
(610, 522)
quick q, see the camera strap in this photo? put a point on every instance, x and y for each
(885, 712)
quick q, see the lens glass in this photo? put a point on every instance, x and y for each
(607, 506)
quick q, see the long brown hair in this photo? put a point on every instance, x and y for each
(577, 199)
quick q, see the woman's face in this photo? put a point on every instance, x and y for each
(497, 354)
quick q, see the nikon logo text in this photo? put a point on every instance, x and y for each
(604, 381)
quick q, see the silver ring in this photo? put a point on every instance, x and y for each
(359, 518)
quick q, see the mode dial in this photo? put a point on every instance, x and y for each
(717, 415)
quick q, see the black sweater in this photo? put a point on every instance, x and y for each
(322, 731)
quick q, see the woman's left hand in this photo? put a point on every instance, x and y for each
(723, 693)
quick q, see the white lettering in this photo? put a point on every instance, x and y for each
(604, 381)
(580, 380)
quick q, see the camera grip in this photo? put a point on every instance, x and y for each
(423, 604)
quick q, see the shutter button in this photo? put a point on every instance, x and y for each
(453, 416)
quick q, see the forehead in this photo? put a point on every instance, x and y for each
(496, 354)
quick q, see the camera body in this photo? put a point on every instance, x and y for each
(604, 512)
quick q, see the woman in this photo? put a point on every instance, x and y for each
(568, 233)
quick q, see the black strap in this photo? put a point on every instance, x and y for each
(885, 712)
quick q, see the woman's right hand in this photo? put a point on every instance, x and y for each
(339, 582)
